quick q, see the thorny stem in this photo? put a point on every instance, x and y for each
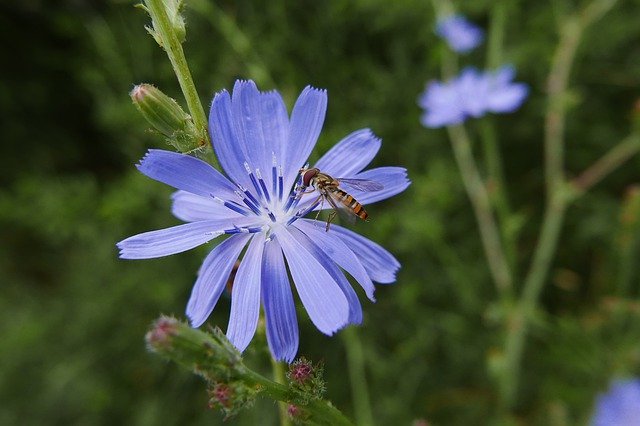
(170, 42)
(480, 202)
(359, 389)
(558, 196)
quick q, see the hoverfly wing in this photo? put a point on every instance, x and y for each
(364, 185)
(345, 213)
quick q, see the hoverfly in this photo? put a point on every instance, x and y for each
(330, 190)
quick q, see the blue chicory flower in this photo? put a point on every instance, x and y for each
(261, 150)
(471, 94)
(620, 406)
(460, 34)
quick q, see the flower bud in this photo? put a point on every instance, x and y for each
(306, 378)
(161, 335)
(231, 397)
(167, 117)
(301, 371)
(162, 112)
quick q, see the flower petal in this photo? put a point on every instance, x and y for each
(176, 239)
(191, 208)
(248, 119)
(320, 294)
(507, 99)
(279, 308)
(228, 147)
(185, 172)
(355, 309)
(338, 251)
(442, 105)
(307, 119)
(245, 296)
(212, 278)
(276, 128)
(350, 155)
(378, 262)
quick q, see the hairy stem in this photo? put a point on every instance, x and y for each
(170, 42)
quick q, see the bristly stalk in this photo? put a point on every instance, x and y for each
(213, 357)
(169, 32)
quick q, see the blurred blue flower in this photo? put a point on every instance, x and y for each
(460, 34)
(471, 94)
(262, 149)
(620, 406)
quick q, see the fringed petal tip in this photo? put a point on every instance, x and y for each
(310, 88)
(218, 95)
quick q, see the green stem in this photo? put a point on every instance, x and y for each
(558, 196)
(359, 389)
(278, 377)
(320, 411)
(609, 162)
(477, 192)
(497, 191)
(213, 357)
(518, 321)
(495, 39)
(170, 42)
(490, 144)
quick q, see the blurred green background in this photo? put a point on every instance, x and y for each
(73, 316)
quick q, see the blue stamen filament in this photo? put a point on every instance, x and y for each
(265, 193)
(243, 230)
(304, 212)
(249, 203)
(232, 206)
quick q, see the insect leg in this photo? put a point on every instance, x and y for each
(334, 213)
(321, 205)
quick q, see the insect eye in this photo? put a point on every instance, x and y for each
(308, 175)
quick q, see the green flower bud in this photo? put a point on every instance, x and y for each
(167, 117)
(162, 112)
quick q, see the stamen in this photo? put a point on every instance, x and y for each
(280, 185)
(243, 230)
(232, 206)
(305, 211)
(257, 186)
(265, 193)
(294, 195)
(274, 178)
(248, 200)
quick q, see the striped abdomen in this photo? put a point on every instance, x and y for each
(351, 203)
